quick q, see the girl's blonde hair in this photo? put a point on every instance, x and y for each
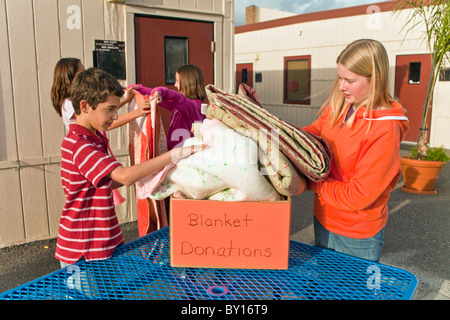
(192, 84)
(367, 58)
(63, 75)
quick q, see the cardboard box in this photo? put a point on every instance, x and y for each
(223, 234)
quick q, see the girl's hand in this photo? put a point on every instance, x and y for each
(156, 96)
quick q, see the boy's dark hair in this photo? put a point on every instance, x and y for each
(94, 86)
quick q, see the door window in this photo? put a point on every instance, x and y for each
(244, 76)
(176, 54)
(414, 72)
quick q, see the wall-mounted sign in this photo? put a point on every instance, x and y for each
(109, 55)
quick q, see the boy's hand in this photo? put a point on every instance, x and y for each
(183, 152)
(144, 107)
(130, 94)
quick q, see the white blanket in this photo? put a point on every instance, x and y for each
(227, 171)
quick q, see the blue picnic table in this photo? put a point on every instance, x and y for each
(141, 270)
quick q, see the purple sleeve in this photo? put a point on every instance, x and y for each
(172, 99)
(144, 90)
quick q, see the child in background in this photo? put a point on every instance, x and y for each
(363, 127)
(185, 104)
(89, 227)
(65, 71)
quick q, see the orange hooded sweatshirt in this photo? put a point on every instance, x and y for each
(365, 167)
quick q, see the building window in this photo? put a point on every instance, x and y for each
(444, 74)
(176, 54)
(297, 80)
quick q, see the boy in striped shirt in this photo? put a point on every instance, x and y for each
(89, 227)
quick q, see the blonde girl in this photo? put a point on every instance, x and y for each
(363, 126)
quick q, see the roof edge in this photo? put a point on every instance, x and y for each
(316, 16)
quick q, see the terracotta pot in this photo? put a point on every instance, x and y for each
(420, 176)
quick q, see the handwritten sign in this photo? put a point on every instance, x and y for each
(217, 234)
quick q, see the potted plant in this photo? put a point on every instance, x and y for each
(435, 15)
(420, 175)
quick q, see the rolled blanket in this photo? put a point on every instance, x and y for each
(288, 150)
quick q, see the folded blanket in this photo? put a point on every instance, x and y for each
(227, 171)
(287, 151)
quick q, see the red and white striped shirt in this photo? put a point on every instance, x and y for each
(88, 225)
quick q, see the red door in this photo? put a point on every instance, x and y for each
(244, 74)
(411, 82)
(164, 44)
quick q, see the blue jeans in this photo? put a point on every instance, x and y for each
(369, 248)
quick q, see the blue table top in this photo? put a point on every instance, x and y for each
(141, 270)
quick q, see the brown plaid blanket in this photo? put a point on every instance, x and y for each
(287, 150)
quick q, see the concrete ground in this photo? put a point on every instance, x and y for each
(417, 239)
